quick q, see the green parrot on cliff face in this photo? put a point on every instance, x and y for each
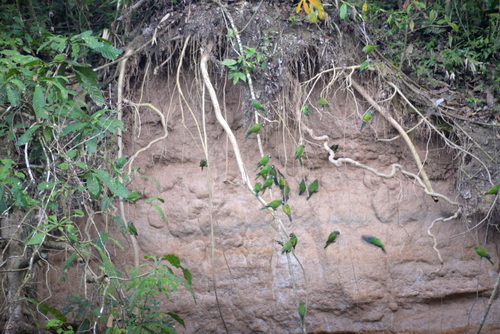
(366, 118)
(203, 163)
(257, 188)
(298, 153)
(257, 105)
(302, 186)
(313, 188)
(302, 312)
(331, 238)
(286, 193)
(267, 183)
(494, 190)
(287, 210)
(264, 160)
(254, 129)
(264, 171)
(374, 241)
(273, 204)
(288, 245)
(132, 229)
(483, 253)
(121, 161)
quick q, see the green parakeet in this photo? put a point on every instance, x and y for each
(257, 188)
(313, 188)
(323, 102)
(298, 153)
(334, 147)
(273, 204)
(121, 161)
(331, 238)
(267, 183)
(254, 129)
(133, 196)
(302, 312)
(494, 190)
(288, 245)
(374, 241)
(305, 109)
(366, 118)
(364, 65)
(264, 160)
(203, 163)
(483, 253)
(369, 48)
(302, 186)
(264, 171)
(257, 105)
(286, 193)
(274, 173)
(287, 210)
(132, 229)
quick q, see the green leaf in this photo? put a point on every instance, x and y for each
(59, 58)
(114, 185)
(13, 96)
(187, 275)
(177, 318)
(93, 186)
(63, 165)
(88, 80)
(36, 239)
(91, 145)
(26, 137)
(174, 260)
(160, 211)
(45, 186)
(228, 62)
(343, 11)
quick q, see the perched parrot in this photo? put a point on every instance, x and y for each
(369, 48)
(366, 118)
(302, 186)
(257, 105)
(331, 238)
(274, 173)
(203, 163)
(282, 182)
(285, 192)
(302, 312)
(263, 161)
(264, 171)
(273, 204)
(483, 253)
(313, 188)
(374, 241)
(288, 245)
(257, 188)
(132, 229)
(364, 65)
(305, 109)
(494, 190)
(121, 161)
(334, 147)
(267, 183)
(254, 129)
(298, 153)
(324, 103)
(287, 210)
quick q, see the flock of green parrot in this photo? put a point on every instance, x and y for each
(287, 246)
